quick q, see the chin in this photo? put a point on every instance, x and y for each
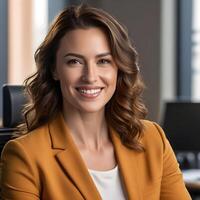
(91, 108)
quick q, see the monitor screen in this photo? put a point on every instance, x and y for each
(181, 124)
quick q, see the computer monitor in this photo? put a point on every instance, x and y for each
(181, 124)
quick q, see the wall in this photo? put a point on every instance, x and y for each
(55, 7)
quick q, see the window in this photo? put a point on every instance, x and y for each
(188, 53)
(27, 25)
(195, 62)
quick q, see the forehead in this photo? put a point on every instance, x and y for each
(83, 40)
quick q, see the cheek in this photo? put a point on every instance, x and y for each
(112, 78)
(65, 84)
(68, 78)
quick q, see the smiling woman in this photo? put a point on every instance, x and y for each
(85, 136)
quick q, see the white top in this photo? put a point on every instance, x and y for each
(108, 184)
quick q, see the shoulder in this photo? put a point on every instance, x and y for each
(30, 143)
(158, 152)
(20, 160)
(152, 129)
(153, 135)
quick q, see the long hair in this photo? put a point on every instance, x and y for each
(125, 108)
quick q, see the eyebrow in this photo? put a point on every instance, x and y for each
(82, 57)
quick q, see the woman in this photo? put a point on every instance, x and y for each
(85, 135)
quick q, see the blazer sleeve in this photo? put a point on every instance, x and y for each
(172, 185)
(18, 179)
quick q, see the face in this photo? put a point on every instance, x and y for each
(86, 70)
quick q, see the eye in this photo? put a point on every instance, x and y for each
(73, 62)
(104, 61)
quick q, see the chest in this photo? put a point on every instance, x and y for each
(103, 159)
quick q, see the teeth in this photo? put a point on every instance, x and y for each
(92, 91)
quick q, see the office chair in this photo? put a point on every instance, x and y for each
(14, 99)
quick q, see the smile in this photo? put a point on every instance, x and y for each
(89, 93)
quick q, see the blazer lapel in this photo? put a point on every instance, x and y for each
(128, 164)
(71, 160)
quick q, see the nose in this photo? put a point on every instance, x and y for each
(90, 73)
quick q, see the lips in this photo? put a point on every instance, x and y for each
(89, 92)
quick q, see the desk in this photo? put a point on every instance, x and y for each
(193, 189)
(192, 181)
(193, 185)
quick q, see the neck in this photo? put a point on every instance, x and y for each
(89, 130)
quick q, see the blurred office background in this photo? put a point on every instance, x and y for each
(166, 34)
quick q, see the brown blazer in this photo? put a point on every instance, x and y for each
(46, 164)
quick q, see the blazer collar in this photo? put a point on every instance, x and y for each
(128, 162)
(70, 159)
(74, 166)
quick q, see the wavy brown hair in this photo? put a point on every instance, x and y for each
(123, 111)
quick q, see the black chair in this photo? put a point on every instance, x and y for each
(14, 99)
